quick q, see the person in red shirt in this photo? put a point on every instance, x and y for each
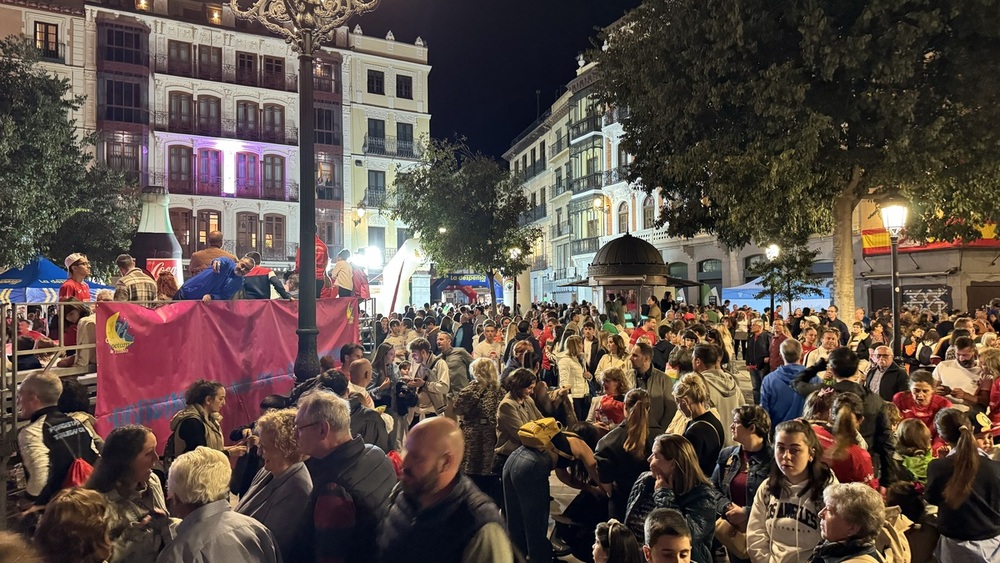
(921, 402)
(79, 269)
(322, 261)
(849, 461)
(648, 328)
(547, 334)
(24, 329)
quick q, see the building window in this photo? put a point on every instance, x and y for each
(246, 120)
(246, 69)
(376, 238)
(47, 40)
(376, 128)
(247, 167)
(623, 218)
(401, 237)
(123, 151)
(181, 108)
(327, 131)
(274, 236)
(208, 221)
(209, 171)
(404, 139)
(247, 227)
(376, 82)
(179, 171)
(328, 176)
(274, 73)
(124, 46)
(710, 266)
(210, 62)
(180, 222)
(209, 115)
(325, 77)
(179, 58)
(123, 102)
(274, 123)
(648, 213)
(404, 87)
(274, 176)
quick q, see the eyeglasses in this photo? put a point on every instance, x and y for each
(82, 264)
(303, 427)
(883, 355)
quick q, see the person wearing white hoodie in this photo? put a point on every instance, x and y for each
(723, 390)
(784, 525)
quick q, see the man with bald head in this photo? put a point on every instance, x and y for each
(361, 377)
(436, 513)
(202, 259)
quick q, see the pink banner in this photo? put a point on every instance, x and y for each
(147, 357)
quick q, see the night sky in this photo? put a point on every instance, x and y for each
(489, 57)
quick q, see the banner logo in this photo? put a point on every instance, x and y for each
(117, 335)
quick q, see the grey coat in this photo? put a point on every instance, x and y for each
(277, 502)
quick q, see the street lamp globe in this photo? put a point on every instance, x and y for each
(442, 230)
(598, 202)
(360, 211)
(894, 212)
(772, 252)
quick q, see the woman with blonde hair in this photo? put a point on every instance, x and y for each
(616, 358)
(621, 454)
(75, 525)
(477, 405)
(675, 481)
(282, 487)
(573, 375)
(704, 430)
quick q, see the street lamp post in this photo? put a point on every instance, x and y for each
(772, 252)
(305, 25)
(894, 211)
(515, 253)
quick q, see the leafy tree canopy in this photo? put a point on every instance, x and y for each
(756, 118)
(466, 209)
(51, 200)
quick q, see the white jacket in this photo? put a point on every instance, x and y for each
(784, 529)
(571, 375)
(609, 361)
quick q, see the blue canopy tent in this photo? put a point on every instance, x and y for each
(466, 283)
(36, 282)
(744, 295)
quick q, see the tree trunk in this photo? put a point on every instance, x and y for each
(493, 291)
(843, 246)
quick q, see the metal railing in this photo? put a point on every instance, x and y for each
(391, 146)
(586, 125)
(194, 184)
(51, 52)
(560, 229)
(534, 214)
(615, 175)
(326, 84)
(277, 252)
(560, 188)
(330, 191)
(586, 183)
(379, 198)
(539, 263)
(615, 114)
(534, 170)
(559, 274)
(226, 128)
(584, 245)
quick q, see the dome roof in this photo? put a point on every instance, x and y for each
(628, 256)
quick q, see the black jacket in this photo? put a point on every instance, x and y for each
(978, 518)
(661, 353)
(894, 380)
(49, 445)
(519, 336)
(758, 350)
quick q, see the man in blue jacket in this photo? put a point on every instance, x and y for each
(222, 281)
(777, 395)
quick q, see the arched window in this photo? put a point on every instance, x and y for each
(648, 213)
(623, 218)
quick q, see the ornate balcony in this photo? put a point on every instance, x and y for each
(391, 146)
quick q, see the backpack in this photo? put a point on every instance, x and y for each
(78, 473)
(538, 435)
(169, 451)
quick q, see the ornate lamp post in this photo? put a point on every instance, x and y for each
(894, 211)
(305, 25)
(772, 252)
(515, 253)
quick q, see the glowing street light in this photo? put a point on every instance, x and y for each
(894, 211)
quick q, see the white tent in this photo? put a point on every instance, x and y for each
(744, 295)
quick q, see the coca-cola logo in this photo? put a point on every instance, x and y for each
(157, 265)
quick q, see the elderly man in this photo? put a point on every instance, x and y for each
(202, 260)
(885, 377)
(220, 282)
(210, 529)
(438, 514)
(758, 356)
(52, 441)
(352, 482)
(134, 285)
(662, 406)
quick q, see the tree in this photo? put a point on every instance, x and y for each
(787, 277)
(51, 200)
(763, 121)
(467, 211)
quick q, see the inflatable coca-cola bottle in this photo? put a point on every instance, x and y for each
(155, 248)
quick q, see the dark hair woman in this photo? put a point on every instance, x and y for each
(621, 454)
(744, 467)
(614, 543)
(675, 481)
(199, 423)
(784, 519)
(124, 474)
(964, 486)
(516, 408)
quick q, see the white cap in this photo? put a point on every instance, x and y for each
(73, 259)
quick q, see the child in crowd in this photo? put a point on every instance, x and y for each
(668, 537)
(913, 448)
(850, 462)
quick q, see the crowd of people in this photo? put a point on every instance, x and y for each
(442, 442)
